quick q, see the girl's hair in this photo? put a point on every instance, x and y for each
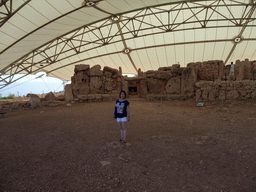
(122, 92)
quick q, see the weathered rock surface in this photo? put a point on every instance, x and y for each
(233, 94)
(173, 86)
(156, 86)
(50, 97)
(68, 93)
(34, 100)
(80, 89)
(81, 67)
(95, 84)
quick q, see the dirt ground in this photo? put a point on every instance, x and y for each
(171, 146)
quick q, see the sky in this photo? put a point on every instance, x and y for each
(33, 84)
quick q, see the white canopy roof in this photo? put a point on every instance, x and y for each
(53, 36)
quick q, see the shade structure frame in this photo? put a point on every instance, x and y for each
(142, 23)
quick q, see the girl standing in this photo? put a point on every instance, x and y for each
(122, 114)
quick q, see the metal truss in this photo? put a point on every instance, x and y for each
(134, 24)
(8, 11)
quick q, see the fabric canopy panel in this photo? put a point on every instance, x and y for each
(53, 36)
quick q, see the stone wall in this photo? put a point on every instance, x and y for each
(207, 80)
(225, 90)
(176, 80)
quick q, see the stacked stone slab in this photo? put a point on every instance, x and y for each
(90, 83)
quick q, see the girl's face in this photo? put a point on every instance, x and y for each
(122, 95)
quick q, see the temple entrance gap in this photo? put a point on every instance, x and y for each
(134, 87)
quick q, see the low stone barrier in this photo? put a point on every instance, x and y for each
(225, 90)
(97, 97)
(165, 97)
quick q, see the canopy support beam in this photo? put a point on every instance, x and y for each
(238, 39)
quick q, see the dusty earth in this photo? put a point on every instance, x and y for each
(171, 146)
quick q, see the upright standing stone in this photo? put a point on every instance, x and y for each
(198, 95)
(188, 80)
(240, 67)
(120, 70)
(68, 93)
(221, 70)
(247, 69)
(125, 87)
(144, 88)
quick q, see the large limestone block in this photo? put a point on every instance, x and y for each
(173, 86)
(144, 87)
(247, 69)
(240, 70)
(96, 68)
(165, 75)
(186, 73)
(221, 69)
(176, 69)
(80, 89)
(107, 74)
(191, 65)
(177, 66)
(125, 87)
(151, 73)
(118, 87)
(188, 80)
(213, 94)
(205, 94)
(34, 100)
(169, 68)
(81, 67)
(117, 75)
(108, 85)
(233, 94)
(68, 93)
(198, 95)
(50, 97)
(96, 73)
(95, 84)
(111, 70)
(222, 95)
(81, 77)
(156, 86)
